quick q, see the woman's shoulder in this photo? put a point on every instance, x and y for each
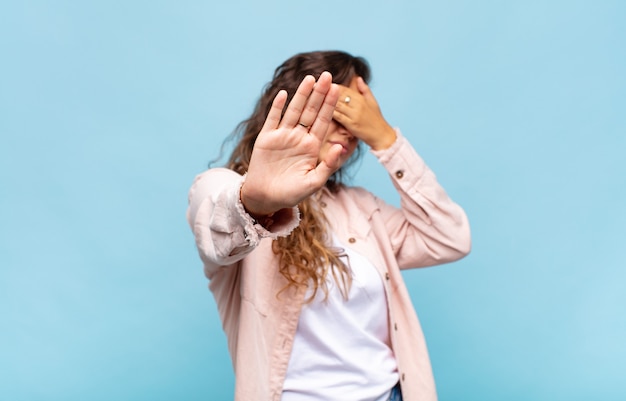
(213, 179)
(217, 173)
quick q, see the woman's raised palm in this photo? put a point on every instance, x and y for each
(285, 167)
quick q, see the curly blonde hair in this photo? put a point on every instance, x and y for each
(306, 258)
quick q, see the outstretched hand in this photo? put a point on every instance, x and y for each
(284, 167)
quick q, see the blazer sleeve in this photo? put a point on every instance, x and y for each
(428, 228)
(224, 232)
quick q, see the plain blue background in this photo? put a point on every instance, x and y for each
(109, 108)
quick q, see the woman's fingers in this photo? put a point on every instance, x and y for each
(307, 101)
(342, 119)
(325, 114)
(297, 103)
(358, 111)
(316, 100)
(347, 105)
(273, 117)
(355, 98)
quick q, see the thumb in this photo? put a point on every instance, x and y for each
(330, 163)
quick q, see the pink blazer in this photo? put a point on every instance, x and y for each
(428, 229)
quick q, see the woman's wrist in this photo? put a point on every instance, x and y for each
(385, 140)
(263, 218)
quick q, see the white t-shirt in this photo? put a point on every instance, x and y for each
(342, 350)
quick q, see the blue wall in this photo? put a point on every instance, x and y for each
(108, 109)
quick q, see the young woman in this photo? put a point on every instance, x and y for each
(305, 269)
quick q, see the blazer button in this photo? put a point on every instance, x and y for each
(399, 174)
(352, 240)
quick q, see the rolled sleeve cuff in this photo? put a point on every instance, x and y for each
(283, 222)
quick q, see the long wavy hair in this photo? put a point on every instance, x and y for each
(306, 257)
